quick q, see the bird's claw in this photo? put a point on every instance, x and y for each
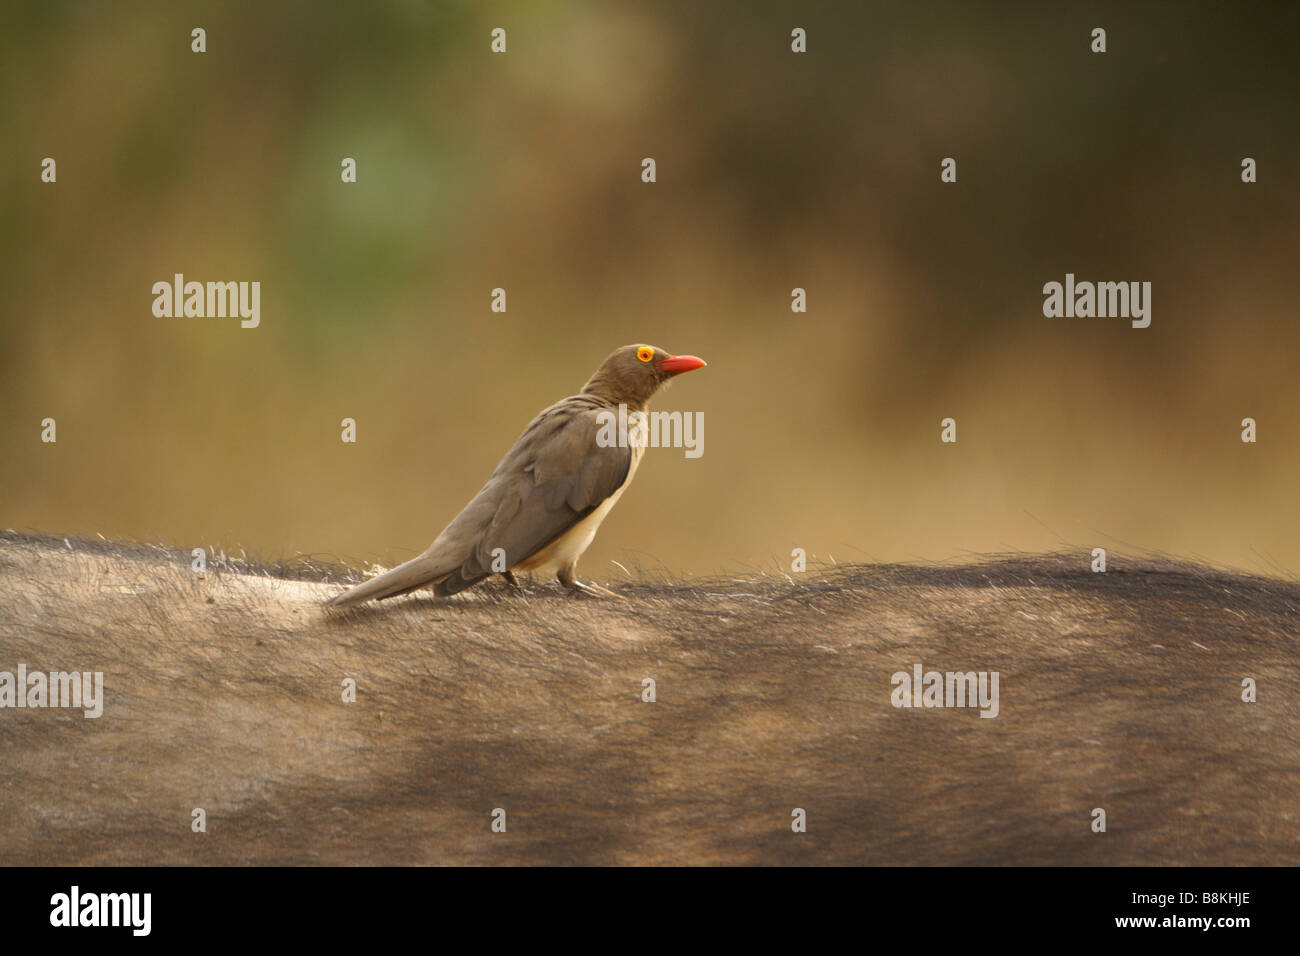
(592, 590)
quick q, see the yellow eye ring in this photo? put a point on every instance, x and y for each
(645, 353)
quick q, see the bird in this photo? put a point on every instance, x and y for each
(542, 506)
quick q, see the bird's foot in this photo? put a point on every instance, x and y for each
(577, 588)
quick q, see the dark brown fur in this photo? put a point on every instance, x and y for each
(223, 692)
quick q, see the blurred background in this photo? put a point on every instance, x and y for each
(775, 171)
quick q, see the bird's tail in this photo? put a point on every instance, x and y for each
(415, 573)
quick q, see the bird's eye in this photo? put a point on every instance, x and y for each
(645, 353)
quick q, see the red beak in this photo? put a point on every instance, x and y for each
(681, 363)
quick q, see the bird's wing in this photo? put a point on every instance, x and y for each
(555, 476)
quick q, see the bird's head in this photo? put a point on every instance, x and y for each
(635, 372)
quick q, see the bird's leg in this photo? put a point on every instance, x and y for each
(567, 577)
(512, 580)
